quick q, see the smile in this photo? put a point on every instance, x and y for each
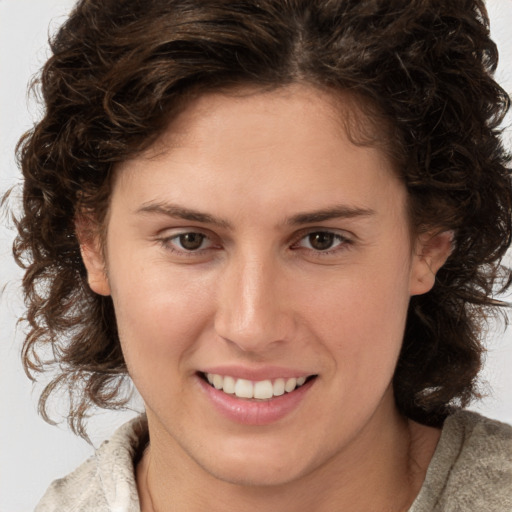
(260, 390)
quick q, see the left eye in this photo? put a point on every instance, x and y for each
(321, 241)
(190, 241)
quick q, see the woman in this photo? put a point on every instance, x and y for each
(283, 221)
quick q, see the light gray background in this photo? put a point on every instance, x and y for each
(33, 453)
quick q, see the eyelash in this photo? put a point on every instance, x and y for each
(343, 244)
(167, 243)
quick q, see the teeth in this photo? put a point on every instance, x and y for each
(229, 385)
(244, 388)
(218, 382)
(290, 385)
(278, 387)
(261, 390)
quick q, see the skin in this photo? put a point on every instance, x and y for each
(258, 293)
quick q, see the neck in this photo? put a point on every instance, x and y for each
(389, 457)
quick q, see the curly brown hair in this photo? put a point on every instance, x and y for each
(120, 70)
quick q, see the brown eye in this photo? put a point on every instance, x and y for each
(322, 240)
(191, 241)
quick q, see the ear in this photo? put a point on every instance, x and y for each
(92, 255)
(431, 252)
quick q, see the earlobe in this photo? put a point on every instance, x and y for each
(93, 257)
(431, 252)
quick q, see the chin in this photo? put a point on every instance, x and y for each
(256, 468)
(260, 476)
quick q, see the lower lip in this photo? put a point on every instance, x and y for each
(255, 412)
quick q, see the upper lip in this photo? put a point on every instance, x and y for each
(256, 374)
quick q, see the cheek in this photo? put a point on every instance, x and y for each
(361, 319)
(159, 315)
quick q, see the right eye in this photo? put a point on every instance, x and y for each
(322, 241)
(188, 242)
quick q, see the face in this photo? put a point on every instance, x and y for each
(255, 247)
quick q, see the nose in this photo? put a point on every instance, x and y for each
(252, 308)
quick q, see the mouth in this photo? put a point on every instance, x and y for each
(258, 390)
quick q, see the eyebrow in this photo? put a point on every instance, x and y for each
(334, 212)
(180, 212)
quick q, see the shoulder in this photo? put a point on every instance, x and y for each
(105, 481)
(485, 448)
(471, 469)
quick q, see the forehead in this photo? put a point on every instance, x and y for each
(251, 150)
(351, 116)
